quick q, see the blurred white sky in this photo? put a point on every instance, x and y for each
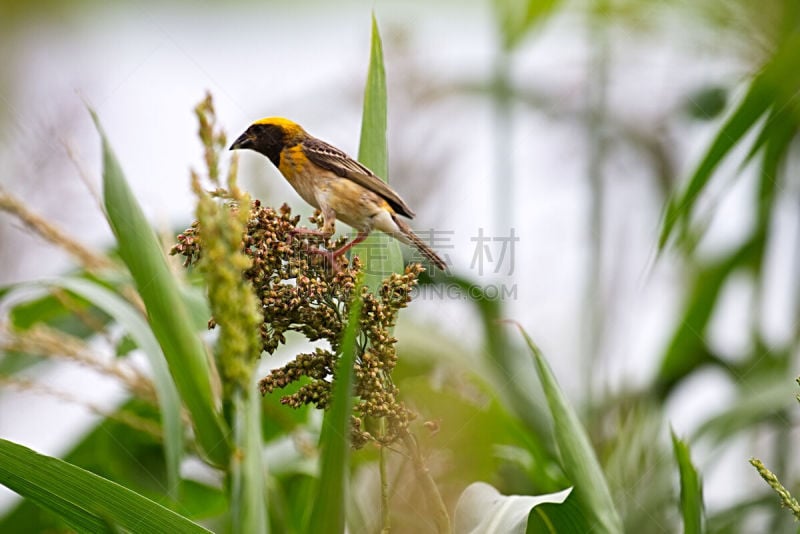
(143, 67)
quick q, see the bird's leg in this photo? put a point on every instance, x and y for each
(332, 255)
(308, 231)
(347, 246)
(329, 224)
(305, 232)
(328, 227)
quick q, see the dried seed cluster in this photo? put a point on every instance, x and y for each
(299, 292)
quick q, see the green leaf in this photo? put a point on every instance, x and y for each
(775, 122)
(380, 254)
(248, 494)
(517, 18)
(167, 314)
(680, 206)
(774, 88)
(168, 400)
(554, 518)
(49, 310)
(481, 508)
(89, 503)
(328, 511)
(201, 501)
(578, 460)
(373, 148)
(289, 496)
(687, 349)
(120, 453)
(197, 304)
(782, 130)
(691, 488)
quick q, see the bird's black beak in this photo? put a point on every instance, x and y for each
(244, 141)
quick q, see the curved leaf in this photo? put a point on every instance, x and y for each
(578, 459)
(691, 488)
(774, 88)
(168, 400)
(89, 503)
(680, 206)
(167, 314)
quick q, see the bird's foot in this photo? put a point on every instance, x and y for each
(294, 232)
(332, 258)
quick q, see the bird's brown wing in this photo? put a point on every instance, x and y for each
(331, 158)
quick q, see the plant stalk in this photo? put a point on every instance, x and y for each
(434, 497)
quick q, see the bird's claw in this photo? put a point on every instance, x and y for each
(331, 258)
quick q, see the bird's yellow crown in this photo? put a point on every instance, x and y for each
(290, 128)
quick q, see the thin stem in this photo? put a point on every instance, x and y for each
(87, 258)
(503, 140)
(385, 517)
(125, 417)
(431, 492)
(597, 141)
(246, 471)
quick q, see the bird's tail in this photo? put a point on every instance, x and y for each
(409, 237)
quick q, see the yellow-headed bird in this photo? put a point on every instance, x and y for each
(333, 182)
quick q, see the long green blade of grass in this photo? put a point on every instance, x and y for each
(373, 150)
(680, 206)
(166, 312)
(169, 402)
(691, 488)
(687, 350)
(783, 129)
(578, 460)
(380, 254)
(328, 513)
(775, 87)
(87, 502)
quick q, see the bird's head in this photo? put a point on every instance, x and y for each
(269, 136)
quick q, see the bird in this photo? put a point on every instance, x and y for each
(334, 183)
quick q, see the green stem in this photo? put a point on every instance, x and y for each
(385, 518)
(503, 141)
(246, 472)
(598, 148)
